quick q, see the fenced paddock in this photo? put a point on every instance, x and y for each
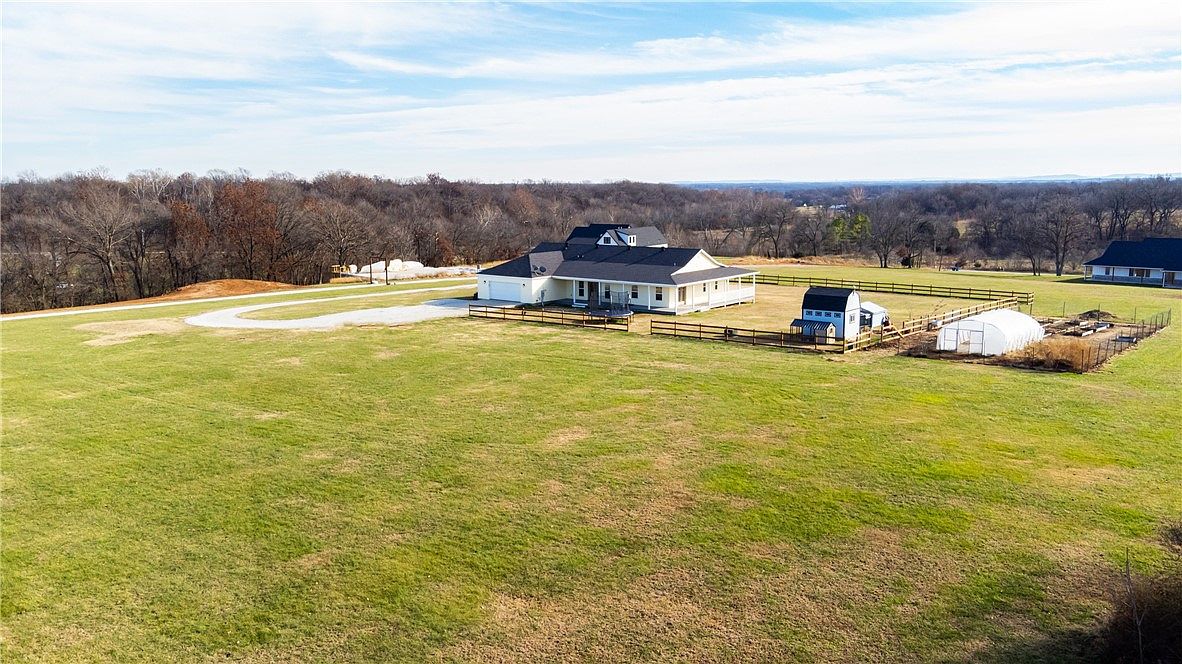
(790, 339)
(1084, 356)
(925, 323)
(1019, 297)
(549, 317)
(741, 335)
(1060, 353)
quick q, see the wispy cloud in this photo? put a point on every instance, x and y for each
(516, 91)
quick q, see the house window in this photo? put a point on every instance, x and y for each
(582, 289)
(716, 285)
(660, 294)
(635, 292)
(1108, 272)
(703, 288)
(607, 291)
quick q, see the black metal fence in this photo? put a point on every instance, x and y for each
(1130, 333)
(890, 287)
(550, 317)
(747, 336)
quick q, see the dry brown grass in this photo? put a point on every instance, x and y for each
(121, 332)
(1058, 354)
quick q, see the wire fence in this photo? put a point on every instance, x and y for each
(1098, 353)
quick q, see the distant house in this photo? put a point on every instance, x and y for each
(1155, 261)
(840, 308)
(605, 264)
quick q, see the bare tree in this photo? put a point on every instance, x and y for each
(98, 222)
(1058, 225)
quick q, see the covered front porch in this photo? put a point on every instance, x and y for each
(667, 299)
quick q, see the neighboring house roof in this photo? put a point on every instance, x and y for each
(591, 262)
(871, 307)
(1159, 252)
(824, 298)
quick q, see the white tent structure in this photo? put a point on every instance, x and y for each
(872, 315)
(990, 333)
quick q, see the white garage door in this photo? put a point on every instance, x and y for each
(500, 290)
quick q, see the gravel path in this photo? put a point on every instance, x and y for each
(200, 300)
(444, 308)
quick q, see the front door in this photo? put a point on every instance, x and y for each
(681, 295)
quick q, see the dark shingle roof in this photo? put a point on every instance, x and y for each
(646, 265)
(1160, 252)
(824, 298)
(591, 233)
(646, 236)
(518, 267)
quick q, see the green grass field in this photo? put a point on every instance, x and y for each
(473, 490)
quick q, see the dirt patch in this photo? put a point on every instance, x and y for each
(661, 617)
(219, 288)
(564, 438)
(386, 354)
(315, 560)
(121, 332)
(291, 361)
(1084, 475)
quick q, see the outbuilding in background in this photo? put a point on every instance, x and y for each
(990, 333)
(873, 316)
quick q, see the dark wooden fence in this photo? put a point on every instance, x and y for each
(889, 287)
(741, 335)
(916, 325)
(549, 317)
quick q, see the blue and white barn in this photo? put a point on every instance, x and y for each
(824, 306)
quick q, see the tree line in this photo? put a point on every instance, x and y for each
(87, 238)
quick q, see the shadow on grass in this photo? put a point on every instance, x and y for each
(1064, 646)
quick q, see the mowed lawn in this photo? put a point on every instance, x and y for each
(473, 490)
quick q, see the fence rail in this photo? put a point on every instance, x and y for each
(742, 335)
(1020, 297)
(549, 317)
(915, 325)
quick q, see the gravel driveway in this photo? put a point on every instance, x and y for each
(414, 313)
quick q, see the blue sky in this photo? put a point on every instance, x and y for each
(659, 92)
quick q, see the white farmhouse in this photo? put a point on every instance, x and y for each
(1154, 261)
(634, 264)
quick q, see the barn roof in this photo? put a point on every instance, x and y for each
(824, 298)
(1153, 252)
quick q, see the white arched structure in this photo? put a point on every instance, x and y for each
(990, 333)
